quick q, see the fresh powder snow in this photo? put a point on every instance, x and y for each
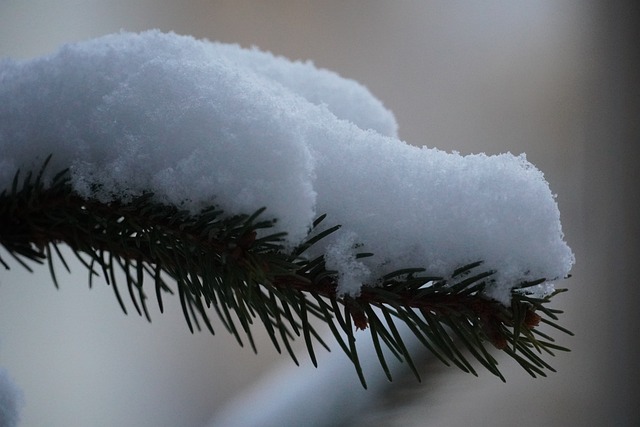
(200, 123)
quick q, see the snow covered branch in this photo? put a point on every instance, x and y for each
(271, 190)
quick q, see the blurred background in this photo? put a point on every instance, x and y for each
(557, 80)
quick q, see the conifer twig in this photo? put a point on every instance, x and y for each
(231, 265)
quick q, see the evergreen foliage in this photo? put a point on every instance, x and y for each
(219, 263)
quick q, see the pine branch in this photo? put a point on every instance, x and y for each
(218, 262)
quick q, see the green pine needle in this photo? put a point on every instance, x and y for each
(219, 264)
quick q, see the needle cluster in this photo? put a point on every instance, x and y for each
(233, 266)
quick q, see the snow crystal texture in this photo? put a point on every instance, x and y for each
(201, 123)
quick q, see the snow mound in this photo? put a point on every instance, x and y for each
(200, 123)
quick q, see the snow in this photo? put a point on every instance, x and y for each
(340, 256)
(199, 123)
